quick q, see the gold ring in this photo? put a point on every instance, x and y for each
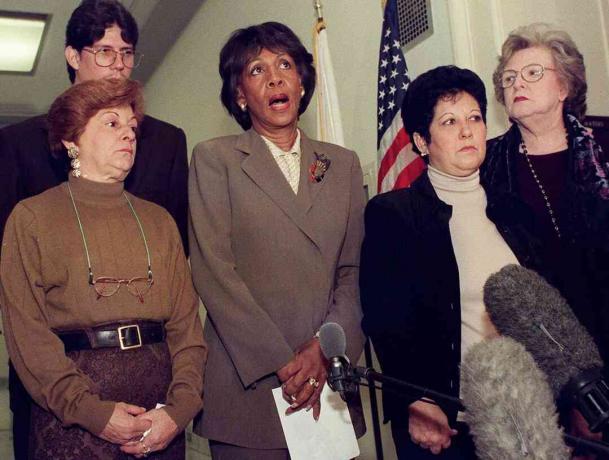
(313, 382)
(146, 450)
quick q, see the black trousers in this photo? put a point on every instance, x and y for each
(461, 447)
(21, 405)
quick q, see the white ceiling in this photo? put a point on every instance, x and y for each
(22, 96)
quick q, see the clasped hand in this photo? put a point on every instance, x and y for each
(299, 376)
(128, 424)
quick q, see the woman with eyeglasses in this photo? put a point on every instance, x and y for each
(547, 175)
(100, 316)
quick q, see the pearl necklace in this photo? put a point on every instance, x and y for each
(524, 150)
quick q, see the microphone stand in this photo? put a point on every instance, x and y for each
(407, 388)
(353, 376)
(586, 444)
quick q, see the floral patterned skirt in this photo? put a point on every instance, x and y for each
(139, 376)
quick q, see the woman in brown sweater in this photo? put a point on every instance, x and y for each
(101, 319)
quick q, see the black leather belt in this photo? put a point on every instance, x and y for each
(124, 335)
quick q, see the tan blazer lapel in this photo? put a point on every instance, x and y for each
(307, 159)
(261, 167)
(303, 198)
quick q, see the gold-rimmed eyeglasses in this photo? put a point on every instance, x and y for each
(529, 73)
(105, 57)
(105, 286)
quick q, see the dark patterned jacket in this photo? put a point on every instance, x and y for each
(583, 274)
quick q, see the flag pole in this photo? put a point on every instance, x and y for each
(329, 122)
(320, 16)
(318, 9)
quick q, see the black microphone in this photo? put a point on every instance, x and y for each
(522, 305)
(334, 345)
(345, 378)
(509, 405)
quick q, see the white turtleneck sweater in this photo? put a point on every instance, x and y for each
(479, 249)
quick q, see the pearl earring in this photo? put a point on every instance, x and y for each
(243, 107)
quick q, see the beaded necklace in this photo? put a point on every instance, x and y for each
(524, 150)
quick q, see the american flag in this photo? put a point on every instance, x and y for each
(399, 164)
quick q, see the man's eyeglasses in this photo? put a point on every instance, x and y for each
(529, 73)
(105, 57)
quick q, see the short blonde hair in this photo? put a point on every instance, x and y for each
(568, 60)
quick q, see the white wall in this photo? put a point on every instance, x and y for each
(435, 50)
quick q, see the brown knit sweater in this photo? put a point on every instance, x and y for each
(44, 286)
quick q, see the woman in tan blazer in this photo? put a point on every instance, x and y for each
(276, 227)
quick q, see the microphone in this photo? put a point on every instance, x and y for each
(523, 306)
(509, 405)
(333, 346)
(527, 387)
(345, 378)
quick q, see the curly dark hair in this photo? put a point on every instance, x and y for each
(244, 45)
(90, 20)
(428, 88)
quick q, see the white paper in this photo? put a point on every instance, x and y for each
(332, 437)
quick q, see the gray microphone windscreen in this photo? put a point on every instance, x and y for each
(522, 305)
(509, 405)
(332, 340)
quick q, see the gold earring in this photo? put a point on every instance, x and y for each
(75, 163)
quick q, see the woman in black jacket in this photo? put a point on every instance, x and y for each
(427, 252)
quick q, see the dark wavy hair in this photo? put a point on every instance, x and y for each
(244, 45)
(90, 20)
(72, 110)
(428, 88)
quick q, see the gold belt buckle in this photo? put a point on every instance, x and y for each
(121, 338)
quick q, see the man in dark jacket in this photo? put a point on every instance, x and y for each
(101, 38)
